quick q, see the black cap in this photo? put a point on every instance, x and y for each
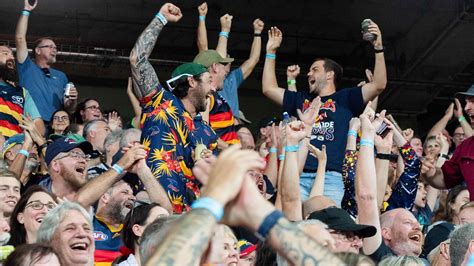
(268, 121)
(435, 236)
(338, 219)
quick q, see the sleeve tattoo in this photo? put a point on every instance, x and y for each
(297, 247)
(189, 237)
(144, 76)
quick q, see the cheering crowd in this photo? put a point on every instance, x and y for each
(336, 181)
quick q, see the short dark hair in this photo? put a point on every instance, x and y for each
(331, 65)
(38, 41)
(182, 88)
(81, 107)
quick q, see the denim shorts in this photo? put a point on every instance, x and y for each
(333, 185)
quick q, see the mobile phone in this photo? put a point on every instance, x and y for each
(32, 2)
(383, 129)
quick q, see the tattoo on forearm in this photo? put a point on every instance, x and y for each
(143, 75)
(188, 237)
(298, 248)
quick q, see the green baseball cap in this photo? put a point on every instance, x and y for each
(189, 69)
(209, 57)
(183, 71)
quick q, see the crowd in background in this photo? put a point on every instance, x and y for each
(334, 181)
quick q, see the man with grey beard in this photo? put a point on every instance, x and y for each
(112, 208)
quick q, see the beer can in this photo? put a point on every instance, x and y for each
(67, 90)
(366, 35)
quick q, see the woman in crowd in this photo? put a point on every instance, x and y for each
(87, 110)
(28, 214)
(134, 226)
(59, 122)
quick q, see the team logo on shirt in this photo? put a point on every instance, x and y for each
(18, 100)
(324, 130)
(99, 236)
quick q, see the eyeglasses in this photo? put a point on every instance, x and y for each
(49, 46)
(76, 155)
(61, 118)
(38, 205)
(92, 107)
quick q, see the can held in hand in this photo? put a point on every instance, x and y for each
(366, 35)
(67, 90)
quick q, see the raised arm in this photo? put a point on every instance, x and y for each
(96, 187)
(145, 80)
(137, 111)
(18, 164)
(192, 232)
(466, 126)
(309, 118)
(377, 85)
(226, 24)
(348, 202)
(441, 124)
(366, 188)
(155, 190)
(202, 43)
(269, 81)
(318, 185)
(384, 148)
(21, 29)
(290, 179)
(249, 64)
(291, 73)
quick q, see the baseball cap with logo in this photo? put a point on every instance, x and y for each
(11, 142)
(209, 57)
(66, 144)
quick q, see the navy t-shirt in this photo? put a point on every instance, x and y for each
(332, 124)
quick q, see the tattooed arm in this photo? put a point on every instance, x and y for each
(297, 247)
(144, 76)
(186, 241)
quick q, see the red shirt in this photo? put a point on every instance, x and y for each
(461, 167)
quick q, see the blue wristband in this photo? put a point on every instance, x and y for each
(211, 205)
(281, 157)
(202, 18)
(352, 133)
(24, 152)
(25, 13)
(268, 224)
(271, 56)
(162, 18)
(272, 150)
(224, 34)
(367, 143)
(292, 148)
(117, 168)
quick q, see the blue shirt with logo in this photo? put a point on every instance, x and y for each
(47, 90)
